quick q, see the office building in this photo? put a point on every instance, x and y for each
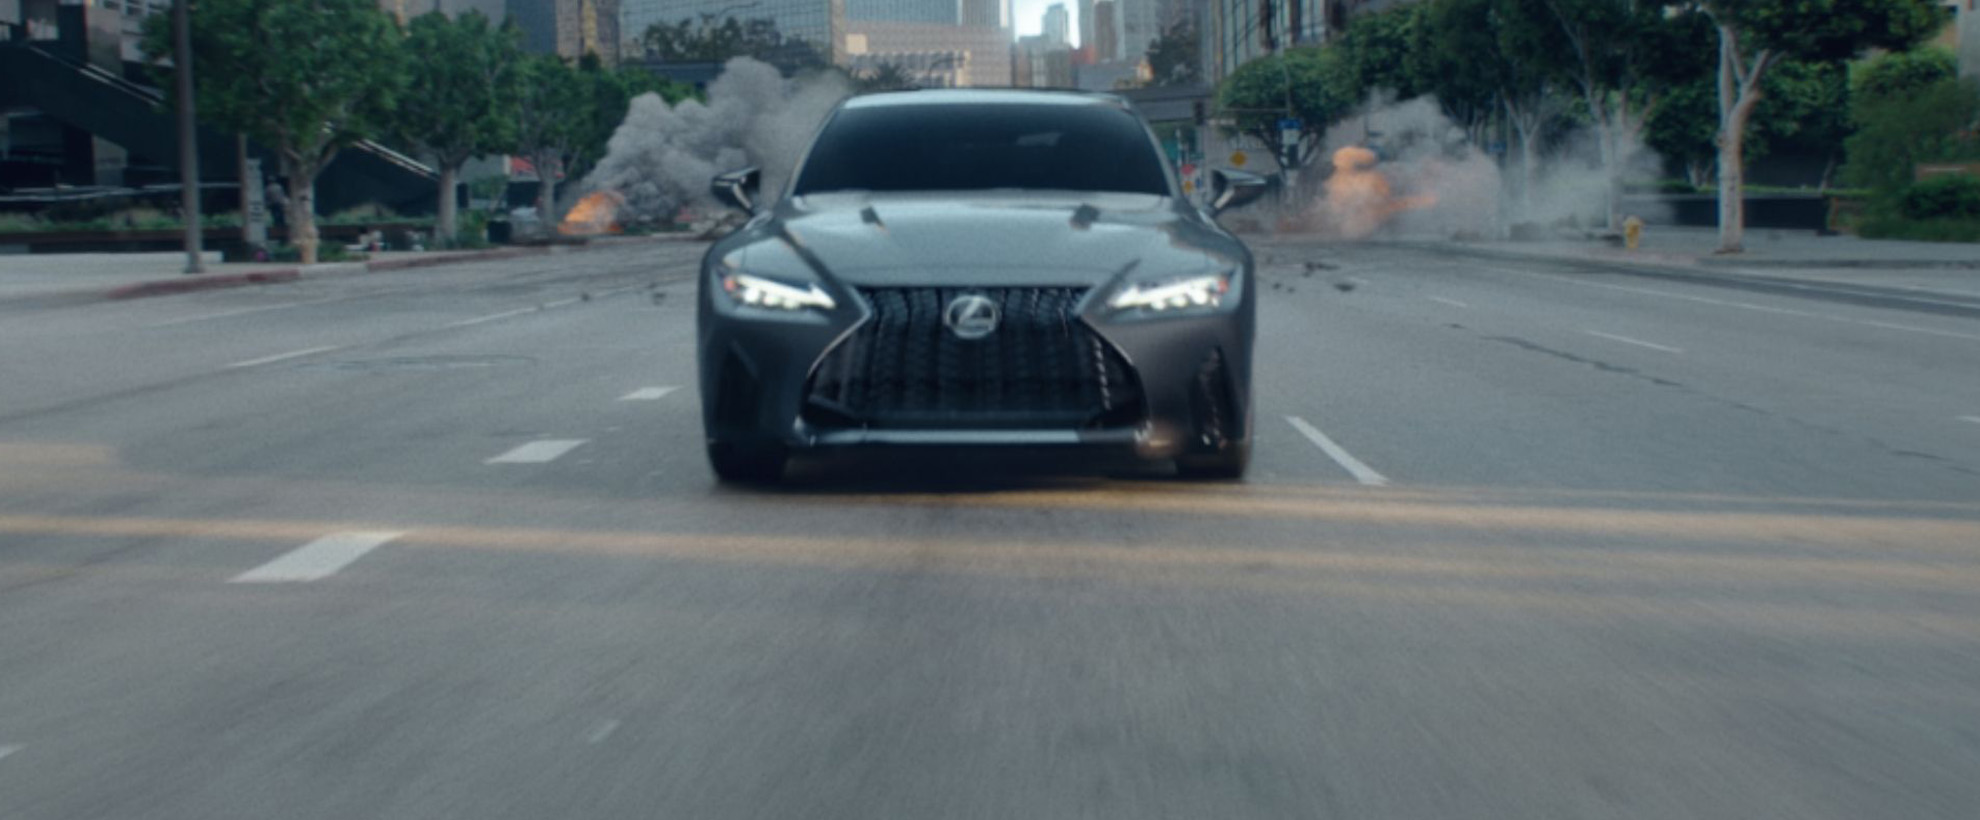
(821, 23)
(1106, 36)
(938, 55)
(1058, 25)
(1043, 63)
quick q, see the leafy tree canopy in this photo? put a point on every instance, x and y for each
(1315, 85)
(303, 76)
(461, 86)
(1174, 58)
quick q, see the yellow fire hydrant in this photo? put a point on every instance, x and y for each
(1632, 232)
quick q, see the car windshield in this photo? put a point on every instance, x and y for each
(919, 147)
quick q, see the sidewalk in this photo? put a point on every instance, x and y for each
(1784, 257)
(83, 277)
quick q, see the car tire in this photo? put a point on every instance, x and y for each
(1228, 465)
(748, 463)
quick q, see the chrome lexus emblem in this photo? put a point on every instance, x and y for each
(972, 316)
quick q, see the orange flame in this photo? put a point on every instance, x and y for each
(1360, 199)
(597, 213)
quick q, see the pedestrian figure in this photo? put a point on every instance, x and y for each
(278, 204)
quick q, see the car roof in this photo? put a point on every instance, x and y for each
(983, 96)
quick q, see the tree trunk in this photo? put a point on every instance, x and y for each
(302, 207)
(446, 235)
(1611, 176)
(1526, 123)
(546, 190)
(1737, 96)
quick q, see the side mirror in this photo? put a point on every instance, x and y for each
(1232, 189)
(737, 189)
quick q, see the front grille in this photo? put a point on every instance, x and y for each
(1042, 368)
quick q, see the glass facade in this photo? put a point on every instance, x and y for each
(1243, 30)
(820, 22)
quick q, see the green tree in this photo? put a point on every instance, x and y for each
(552, 116)
(1175, 58)
(306, 78)
(1448, 41)
(1625, 58)
(1803, 107)
(706, 40)
(1382, 53)
(1498, 57)
(1756, 35)
(1909, 108)
(461, 97)
(1313, 84)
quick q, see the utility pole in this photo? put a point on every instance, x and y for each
(182, 60)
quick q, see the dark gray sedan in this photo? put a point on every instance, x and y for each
(979, 269)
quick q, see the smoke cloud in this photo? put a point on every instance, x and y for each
(662, 157)
(1427, 177)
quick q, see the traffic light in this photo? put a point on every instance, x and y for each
(1198, 111)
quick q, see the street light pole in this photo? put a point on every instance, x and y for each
(188, 135)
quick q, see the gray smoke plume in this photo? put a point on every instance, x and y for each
(662, 157)
(1433, 180)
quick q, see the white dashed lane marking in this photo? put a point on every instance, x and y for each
(648, 393)
(1451, 302)
(293, 354)
(317, 559)
(538, 452)
(602, 731)
(493, 317)
(1974, 419)
(8, 750)
(1629, 341)
(1361, 472)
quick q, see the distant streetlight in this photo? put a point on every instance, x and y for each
(182, 60)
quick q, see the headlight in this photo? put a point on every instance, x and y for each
(756, 291)
(1174, 294)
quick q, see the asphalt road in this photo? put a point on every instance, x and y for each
(442, 544)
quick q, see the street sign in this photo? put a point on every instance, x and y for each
(1188, 169)
(1238, 158)
(1290, 124)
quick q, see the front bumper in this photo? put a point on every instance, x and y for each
(1193, 375)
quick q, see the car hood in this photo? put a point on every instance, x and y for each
(907, 240)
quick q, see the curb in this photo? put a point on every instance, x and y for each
(189, 284)
(1725, 276)
(167, 287)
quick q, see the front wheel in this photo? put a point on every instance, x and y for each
(748, 464)
(1228, 465)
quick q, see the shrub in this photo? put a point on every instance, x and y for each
(1922, 230)
(1909, 107)
(1954, 196)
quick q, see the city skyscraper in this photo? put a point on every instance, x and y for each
(1106, 36)
(1086, 31)
(1058, 24)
